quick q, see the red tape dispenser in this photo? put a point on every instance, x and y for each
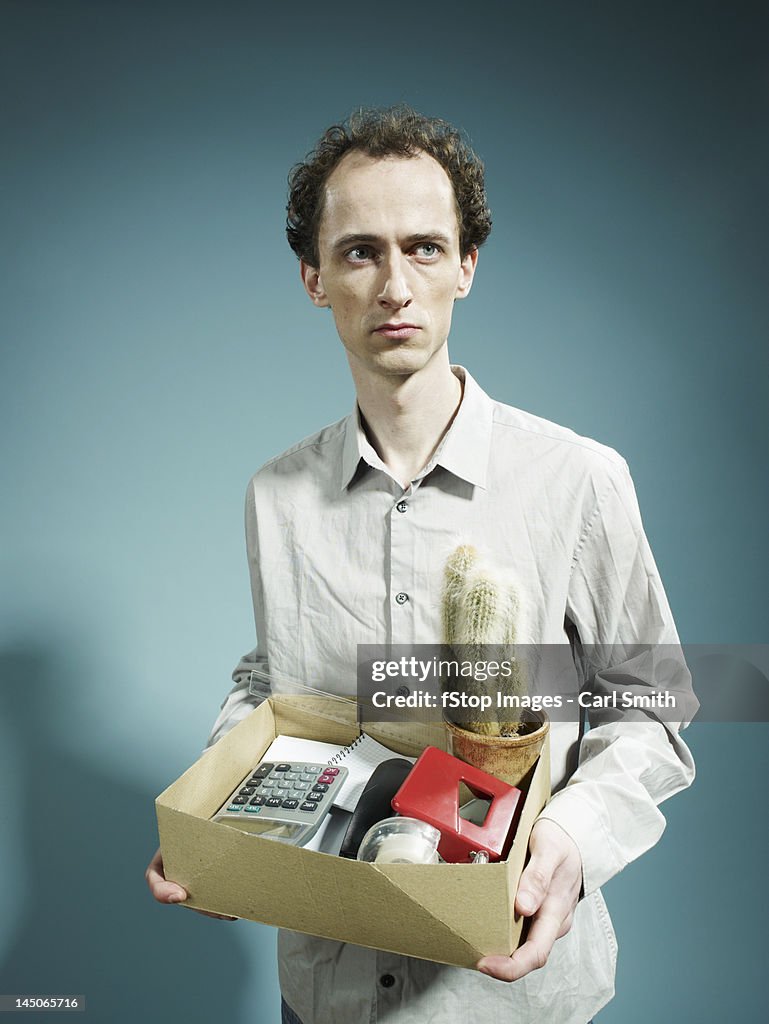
(431, 793)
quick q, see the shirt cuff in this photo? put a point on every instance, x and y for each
(586, 826)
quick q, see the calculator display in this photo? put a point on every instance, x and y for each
(285, 802)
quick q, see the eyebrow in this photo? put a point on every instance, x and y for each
(422, 236)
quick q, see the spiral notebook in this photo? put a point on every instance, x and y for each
(360, 758)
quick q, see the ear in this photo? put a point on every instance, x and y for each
(313, 284)
(466, 273)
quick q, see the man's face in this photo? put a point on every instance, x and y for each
(390, 265)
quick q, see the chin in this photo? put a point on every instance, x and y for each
(401, 359)
(402, 363)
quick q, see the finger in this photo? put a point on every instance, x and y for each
(566, 925)
(531, 956)
(535, 882)
(171, 892)
(163, 890)
(546, 854)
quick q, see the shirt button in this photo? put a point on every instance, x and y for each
(402, 506)
(401, 598)
(387, 981)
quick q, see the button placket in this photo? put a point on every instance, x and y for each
(402, 580)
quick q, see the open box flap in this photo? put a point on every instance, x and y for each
(296, 704)
(290, 693)
(204, 787)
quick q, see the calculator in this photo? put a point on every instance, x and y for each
(286, 802)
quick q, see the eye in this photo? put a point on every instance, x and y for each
(360, 254)
(428, 250)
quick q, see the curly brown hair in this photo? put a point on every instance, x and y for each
(394, 131)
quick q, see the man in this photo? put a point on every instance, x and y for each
(348, 534)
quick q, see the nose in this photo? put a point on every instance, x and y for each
(395, 290)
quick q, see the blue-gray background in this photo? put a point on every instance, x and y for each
(156, 348)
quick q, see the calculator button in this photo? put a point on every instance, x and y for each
(292, 775)
(326, 780)
(235, 807)
(247, 791)
(331, 771)
(258, 801)
(274, 801)
(290, 805)
(240, 800)
(299, 786)
(282, 767)
(307, 778)
(316, 797)
(263, 770)
(252, 810)
(312, 769)
(320, 787)
(285, 784)
(254, 781)
(307, 806)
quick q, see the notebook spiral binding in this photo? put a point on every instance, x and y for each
(346, 750)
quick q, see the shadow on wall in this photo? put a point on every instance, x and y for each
(87, 923)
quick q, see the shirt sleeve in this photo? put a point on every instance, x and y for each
(248, 693)
(251, 675)
(630, 761)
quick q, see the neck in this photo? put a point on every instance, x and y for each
(406, 416)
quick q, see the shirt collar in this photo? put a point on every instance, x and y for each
(464, 451)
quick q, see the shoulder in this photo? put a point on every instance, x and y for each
(314, 457)
(545, 441)
(322, 442)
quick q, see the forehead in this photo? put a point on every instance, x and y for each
(377, 195)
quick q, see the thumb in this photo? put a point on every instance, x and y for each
(536, 878)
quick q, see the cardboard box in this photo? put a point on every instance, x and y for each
(451, 913)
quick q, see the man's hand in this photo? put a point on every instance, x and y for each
(547, 892)
(165, 891)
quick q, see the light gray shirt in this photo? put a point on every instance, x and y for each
(333, 539)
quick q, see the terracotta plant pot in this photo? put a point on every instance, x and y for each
(507, 757)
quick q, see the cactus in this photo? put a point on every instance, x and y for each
(478, 611)
(457, 569)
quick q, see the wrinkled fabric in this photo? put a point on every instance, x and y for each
(330, 547)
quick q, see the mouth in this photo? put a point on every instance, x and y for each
(397, 331)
